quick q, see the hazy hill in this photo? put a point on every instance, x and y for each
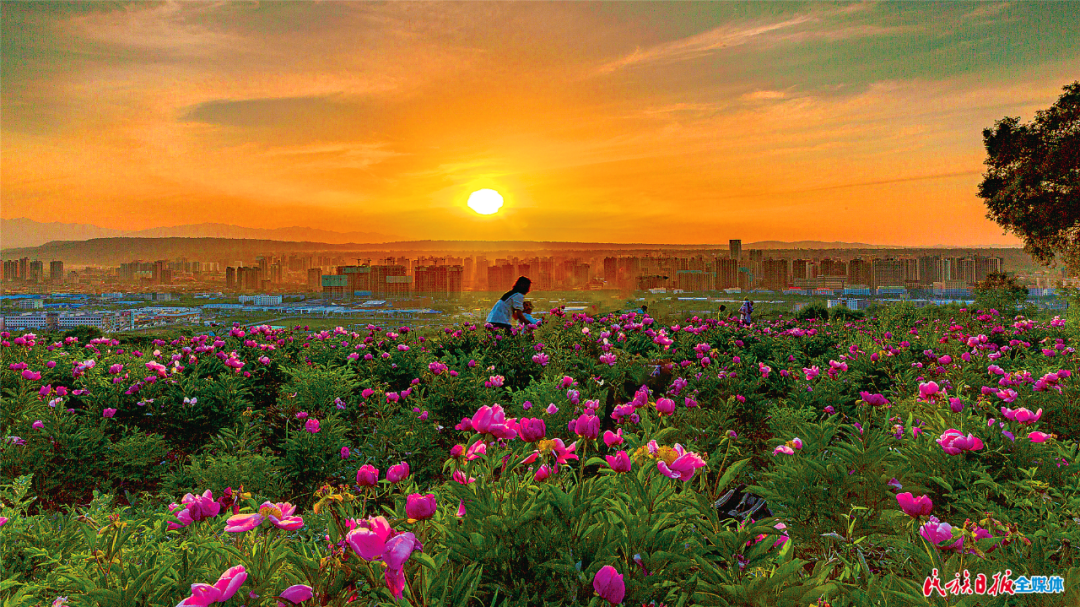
(21, 233)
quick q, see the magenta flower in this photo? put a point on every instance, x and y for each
(542, 473)
(108, 412)
(397, 551)
(586, 426)
(38, 425)
(783, 449)
(368, 539)
(620, 462)
(915, 506)
(374, 539)
(31, 375)
(665, 406)
(398, 472)
(954, 442)
(492, 420)
(929, 391)
(936, 531)
(420, 507)
(683, 467)
(609, 585)
(532, 429)
(551, 409)
(344, 453)
(1039, 437)
(612, 439)
(874, 400)
(239, 523)
(223, 590)
(367, 476)
(312, 425)
(608, 359)
(281, 515)
(296, 594)
(1022, 415)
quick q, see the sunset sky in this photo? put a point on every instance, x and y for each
(603, 122)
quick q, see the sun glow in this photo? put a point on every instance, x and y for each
(485, 202)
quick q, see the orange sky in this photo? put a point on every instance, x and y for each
(642, 122)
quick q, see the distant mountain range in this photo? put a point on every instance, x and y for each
(22, 233)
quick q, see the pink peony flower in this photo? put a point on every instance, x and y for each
(420, 507)
(398, 473)
(954, 442)
(312, 425)
(683, 467)
(620, 462)
(586, 426)
(367, 476)
(609, 585)
(936, 531)
(915, 506)
(296, 594)
(612, 439)
(239, 523)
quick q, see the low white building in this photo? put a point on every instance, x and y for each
(261, 300)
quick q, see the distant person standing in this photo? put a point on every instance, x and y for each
(746, 312)
(510, 306)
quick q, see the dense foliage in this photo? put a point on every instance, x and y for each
(1032, 181)
(585, 461)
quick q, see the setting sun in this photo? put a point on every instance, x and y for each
(485, 202)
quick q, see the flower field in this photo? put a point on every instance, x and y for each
(922, 458)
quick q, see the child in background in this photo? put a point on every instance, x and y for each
(526, 311)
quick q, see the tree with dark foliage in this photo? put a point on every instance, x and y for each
(1032, 180)
(1000, 292)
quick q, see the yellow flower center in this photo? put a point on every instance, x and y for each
(270, 511)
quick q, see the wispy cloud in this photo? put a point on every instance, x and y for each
(987, 10)
(177, 28)
(701, 44)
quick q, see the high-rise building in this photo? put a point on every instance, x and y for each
(735, 249)
(860, 272)
(36, 272)
(727, 273)
(56, 272)
(11, 270)
(887, 273)
(932, 268)
(833, 267)
(800, 269)
(230, 277)
(774, 274)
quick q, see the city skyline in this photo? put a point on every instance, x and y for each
(650, 123)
